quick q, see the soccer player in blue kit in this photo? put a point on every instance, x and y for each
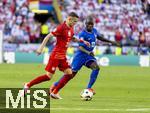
(84, 57)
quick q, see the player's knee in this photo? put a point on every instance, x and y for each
(73, 74)
(68, 71)
(95, 67)
(49, 75)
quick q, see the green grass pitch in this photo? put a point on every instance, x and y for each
(119, 89)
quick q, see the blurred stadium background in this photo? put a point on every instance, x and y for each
(24, 24)
(124, 85)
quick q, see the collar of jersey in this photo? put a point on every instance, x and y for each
(87, 31)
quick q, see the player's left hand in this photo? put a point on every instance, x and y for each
(86, 43)
(92, 54)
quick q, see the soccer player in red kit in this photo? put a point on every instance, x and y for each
(64, 33)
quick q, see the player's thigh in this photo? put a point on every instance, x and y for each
(77, 63)
(64, 66)
(51, 66)
(92, 63)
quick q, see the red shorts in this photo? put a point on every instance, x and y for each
(53, 63)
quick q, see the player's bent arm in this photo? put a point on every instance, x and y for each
(40, 49)
(74, 39)
(101, 37)
(84, 50)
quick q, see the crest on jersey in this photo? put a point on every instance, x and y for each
(53, 68)
(89, 38)
(69, 33)
(95, 34)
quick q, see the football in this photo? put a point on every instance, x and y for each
(86, 95)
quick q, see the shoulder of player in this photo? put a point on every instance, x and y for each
(65, 27)
(95, 30)
(61, 25)
(82, 33)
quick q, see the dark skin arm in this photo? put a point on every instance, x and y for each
(106, 40)
(85, 51)
(102, 39)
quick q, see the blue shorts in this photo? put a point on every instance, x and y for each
(81, 59)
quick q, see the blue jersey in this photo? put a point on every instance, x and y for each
(81, 58)
(90, 37)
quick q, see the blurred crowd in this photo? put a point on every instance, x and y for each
(17, 21)
(125, 21)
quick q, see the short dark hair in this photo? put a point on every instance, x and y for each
(89, 19)
(73, 14)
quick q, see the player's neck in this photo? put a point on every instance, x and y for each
(67, 23)
(89, 31)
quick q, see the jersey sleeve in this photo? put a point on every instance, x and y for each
(97, 34)
(57, 31)
(81, 36)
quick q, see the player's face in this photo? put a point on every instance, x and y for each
(72, 21)
(89, 26)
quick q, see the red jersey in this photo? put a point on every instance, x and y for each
(63, 34)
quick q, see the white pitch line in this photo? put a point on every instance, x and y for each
(139, 109)
(92, 109)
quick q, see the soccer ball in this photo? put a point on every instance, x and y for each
(86, 94)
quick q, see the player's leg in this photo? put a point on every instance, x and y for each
(67, 76)
(57, 82)
(95, 71)
(68, 73)
(55, 88)
(76, 65)
(39, 79)
(50, 68)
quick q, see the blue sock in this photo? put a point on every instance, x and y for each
(93, 78)
(56, 83)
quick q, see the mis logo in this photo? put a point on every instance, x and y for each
(36, 99)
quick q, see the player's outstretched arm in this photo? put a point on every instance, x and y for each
(74, 39)
(101, 37)
(40, 49)
(86, 51)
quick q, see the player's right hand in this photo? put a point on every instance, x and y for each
(39, 51)
(86, 43)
